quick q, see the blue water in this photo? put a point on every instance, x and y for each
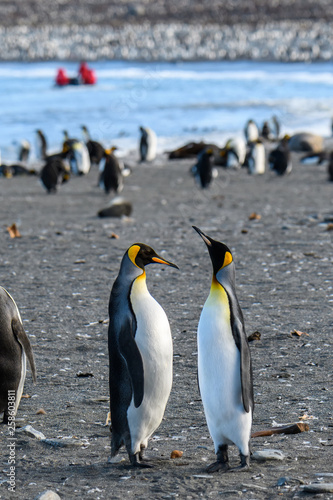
(181, 102)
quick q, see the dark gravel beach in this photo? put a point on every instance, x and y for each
(60, 273)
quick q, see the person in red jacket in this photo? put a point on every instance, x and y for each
(86, 75)
(62, 78)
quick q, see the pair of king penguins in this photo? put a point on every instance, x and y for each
(140, 358)
(15, 348)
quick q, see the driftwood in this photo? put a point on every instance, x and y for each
(286, 429)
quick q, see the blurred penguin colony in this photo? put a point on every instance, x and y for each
(259, 149)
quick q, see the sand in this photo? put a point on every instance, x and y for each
(60, 273)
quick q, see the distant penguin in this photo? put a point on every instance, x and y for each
(276, 127)
(95, 149)
(256, 159)
(118, 207)
(15, 348)
(266, 131)
(24, 151)
(77, 154)
(140, 355)
(41, 146)
(330, 167)
(251, 131)
(224, 362)
(279, 159)
(148, 143)
(203, 170)
(56, 171)
(110, 175)
(234, 153)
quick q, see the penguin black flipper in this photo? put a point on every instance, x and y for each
(22, 338)
(239, 335)
(130, 352)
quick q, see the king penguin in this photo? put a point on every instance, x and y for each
(224, 362)
(15, 348)
(140, 355)
(148, 144)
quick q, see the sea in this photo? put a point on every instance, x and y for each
(181, 102)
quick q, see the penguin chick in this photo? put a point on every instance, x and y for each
(15, 348)
(110, 175)
(140, 355)
(224, 362)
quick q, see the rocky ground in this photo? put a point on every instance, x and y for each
(182, 30)
(60, 273)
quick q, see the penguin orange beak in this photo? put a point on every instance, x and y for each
(159, 260)
(203, 236)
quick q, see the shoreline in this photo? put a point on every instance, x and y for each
(285, 41)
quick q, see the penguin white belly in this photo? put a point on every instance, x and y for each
(219, 377)
(259, 159)
(19, 391)
(252, 132)
(152, 145)
(153, 338)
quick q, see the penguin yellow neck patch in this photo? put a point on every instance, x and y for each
(133, 252)
(227, 259)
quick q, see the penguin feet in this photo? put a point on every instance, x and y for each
(222, 463)
(136, 461)
(244, 465)
(218, 467)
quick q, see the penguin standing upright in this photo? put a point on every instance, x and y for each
(140, 354)
(256, 159)
(148, 143)
(95, 149)
(330, 167)
(41, 145)
(110, 174)
(14, 349)
(24, 151)
(279, 159)
(251, 131)
(203, 170)
(224, 362)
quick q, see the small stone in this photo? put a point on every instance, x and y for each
(84, 374)
(318, 488)
(48, 495)
(262, 455)
(254, 216)
(176, 454)
(41, 411)
(31, 432)
(114, 236)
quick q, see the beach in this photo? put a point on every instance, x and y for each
(60, 273)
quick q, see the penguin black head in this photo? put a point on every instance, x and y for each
(141, 255)
(219, 253)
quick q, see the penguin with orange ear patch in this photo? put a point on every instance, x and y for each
(224, 362)
(140, 355)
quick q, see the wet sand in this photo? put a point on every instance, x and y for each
(60, 273)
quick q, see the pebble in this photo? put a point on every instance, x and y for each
(31, 432)
(48, 495)
(318, 488)
(288, 41)
(262, 455)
